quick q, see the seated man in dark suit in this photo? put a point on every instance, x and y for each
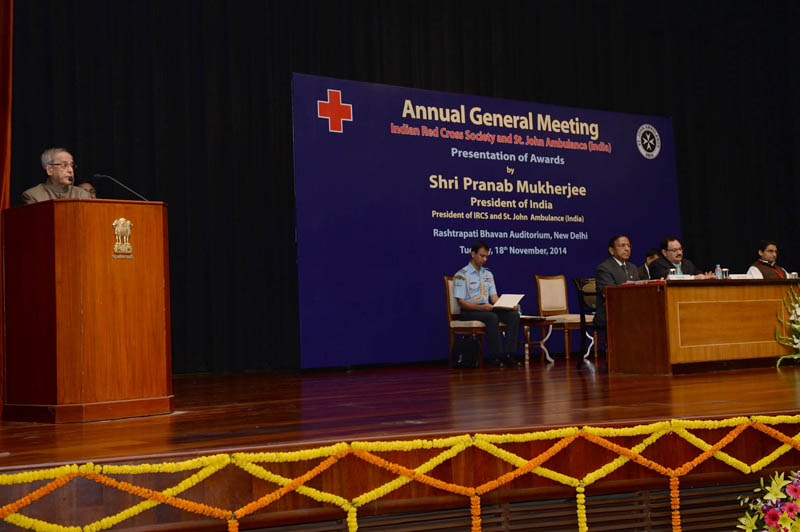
(672, 257)
(613, 271)
(644, 269)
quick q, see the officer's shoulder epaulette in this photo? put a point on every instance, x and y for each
(459, 276)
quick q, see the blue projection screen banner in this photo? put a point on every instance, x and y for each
(393, 185)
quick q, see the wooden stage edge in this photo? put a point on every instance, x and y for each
(496, 421)
(89, 411)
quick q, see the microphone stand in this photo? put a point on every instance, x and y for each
(122, 185)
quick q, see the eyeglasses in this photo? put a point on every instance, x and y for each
(64, 165)
(676, 249)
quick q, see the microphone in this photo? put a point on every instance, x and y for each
(129, 189)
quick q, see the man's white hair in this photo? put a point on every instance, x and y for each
(49, 155)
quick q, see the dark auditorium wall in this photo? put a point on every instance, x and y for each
(189, 103)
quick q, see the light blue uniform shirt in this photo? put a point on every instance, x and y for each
(474, 286)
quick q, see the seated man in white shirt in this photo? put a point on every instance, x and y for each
(766, 267)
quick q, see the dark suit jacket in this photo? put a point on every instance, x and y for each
(644, 275)
(609, 273)
(660, 268)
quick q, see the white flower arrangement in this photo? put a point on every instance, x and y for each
(791, 303)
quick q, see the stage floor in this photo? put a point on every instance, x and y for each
(223, 414)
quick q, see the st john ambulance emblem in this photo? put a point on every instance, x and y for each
(648, 141)
(122, 234)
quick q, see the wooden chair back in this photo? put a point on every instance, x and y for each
(453, 310)
(587, 305)
(552, 294)
(587, 294)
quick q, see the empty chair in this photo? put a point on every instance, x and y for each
(552, 297)
(587, 305)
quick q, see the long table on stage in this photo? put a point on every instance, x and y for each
(676, 326)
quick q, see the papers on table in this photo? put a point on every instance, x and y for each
(679, 276)
(508, 301)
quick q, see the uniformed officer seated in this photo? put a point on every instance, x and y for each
(475, 291)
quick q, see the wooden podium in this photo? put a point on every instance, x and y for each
(684, 326)
(87, 315)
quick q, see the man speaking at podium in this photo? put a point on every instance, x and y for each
(60, 168)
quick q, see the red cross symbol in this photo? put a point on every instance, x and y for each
(335, 111)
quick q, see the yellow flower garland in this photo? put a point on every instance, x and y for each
(618, 462)
(411, 445)
(317, 495)
(638, 430)
(34, 476)
(528, 436)
(518, 462)
(364, 450)
(385, 489)
(704, 446)
(40, 526)
(580, 500)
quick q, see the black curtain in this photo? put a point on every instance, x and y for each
(189, 102)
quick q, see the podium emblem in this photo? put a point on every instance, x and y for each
(122, 233)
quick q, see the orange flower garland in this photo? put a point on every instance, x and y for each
(475, 512)
(624, 451)
(675, 503)
(60, 476)
(780, 436)
(527, 468)
(684, 469)
(146, 493)
(37, 494)
(410, 473)
(283, 490)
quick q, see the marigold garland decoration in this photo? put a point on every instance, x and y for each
(475, 512)
(788, 445)
(533, 463)
(256, 464)
(14, 507)
(675, 503)
(580, 499)
(621, 460)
